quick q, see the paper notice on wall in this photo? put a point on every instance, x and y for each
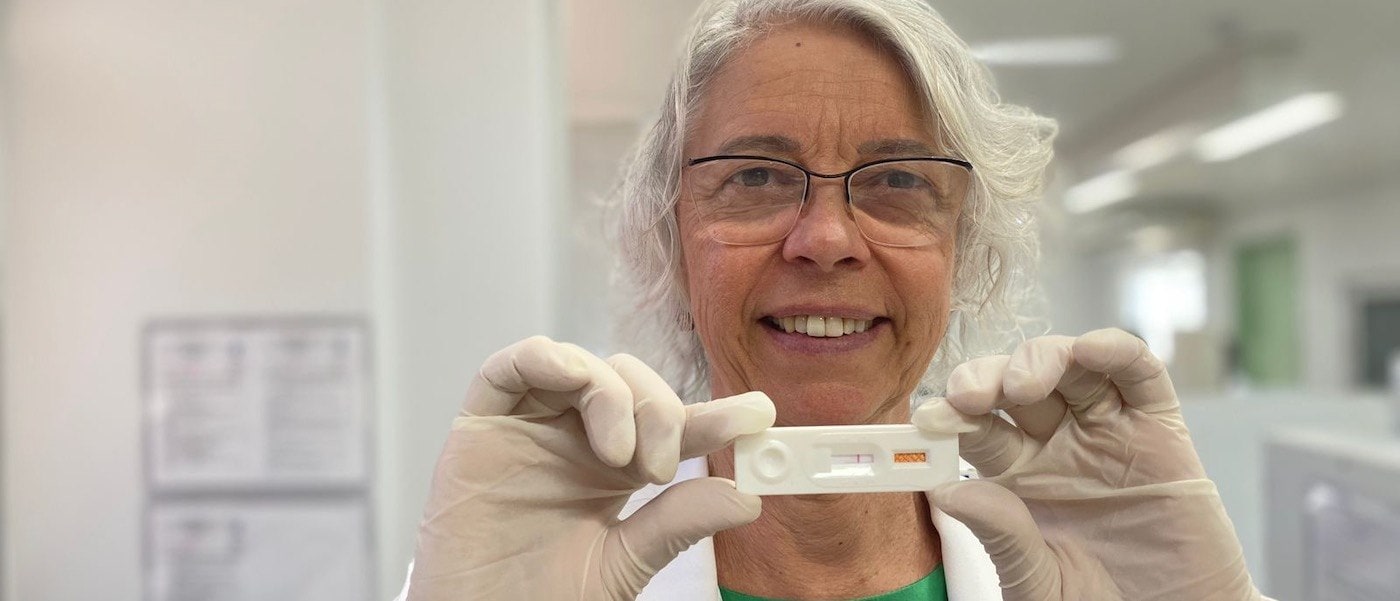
(260, 403)
(252, 551)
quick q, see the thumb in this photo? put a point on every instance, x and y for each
(676, 519)
(1026, 566)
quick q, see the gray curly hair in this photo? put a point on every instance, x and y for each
(994, 284)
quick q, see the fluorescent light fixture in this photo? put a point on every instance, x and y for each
(1157, 148)
(1288, 118)
(1153, 238)
(1100, 191)
(1084, 50)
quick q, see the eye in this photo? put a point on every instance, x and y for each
(902, 179)
(754, 176)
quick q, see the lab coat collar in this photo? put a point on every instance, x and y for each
(692, 576)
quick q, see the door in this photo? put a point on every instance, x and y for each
(1267, 312)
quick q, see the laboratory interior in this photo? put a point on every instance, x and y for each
(252, 253)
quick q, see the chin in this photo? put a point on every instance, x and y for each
(831, 405)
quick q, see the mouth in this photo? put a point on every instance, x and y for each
(821, 326)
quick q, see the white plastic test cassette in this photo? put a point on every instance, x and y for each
(843, 459)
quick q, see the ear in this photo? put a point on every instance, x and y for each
(679, 273)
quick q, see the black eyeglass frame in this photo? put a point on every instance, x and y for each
(845, 176)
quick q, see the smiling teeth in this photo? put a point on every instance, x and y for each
(821, 327)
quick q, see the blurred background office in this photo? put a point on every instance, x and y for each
(420, 179)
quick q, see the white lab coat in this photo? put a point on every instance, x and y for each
(691, 577)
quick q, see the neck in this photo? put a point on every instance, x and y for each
(826, 546)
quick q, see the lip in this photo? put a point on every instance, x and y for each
(803, 344)
(823, 311)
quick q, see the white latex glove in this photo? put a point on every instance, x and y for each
(550, 444)
(1096, 492)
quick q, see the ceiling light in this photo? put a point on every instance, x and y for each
(1084, 50)
(1157, 148)
(1153, 238)
(1280, 121)
(1100, 191)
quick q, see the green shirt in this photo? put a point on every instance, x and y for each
(931, 588)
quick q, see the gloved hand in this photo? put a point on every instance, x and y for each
(1096, 492)
(550, 444)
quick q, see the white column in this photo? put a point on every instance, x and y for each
(465, 242)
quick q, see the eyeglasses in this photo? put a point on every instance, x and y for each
(751, 200)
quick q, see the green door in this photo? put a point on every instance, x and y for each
(1267, 288)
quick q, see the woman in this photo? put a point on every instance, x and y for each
(831, 187)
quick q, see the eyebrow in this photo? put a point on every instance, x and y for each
(779, 144)
(896, 147)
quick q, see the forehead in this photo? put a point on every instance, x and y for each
(830, 89)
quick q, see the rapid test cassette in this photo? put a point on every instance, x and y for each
(843, 459)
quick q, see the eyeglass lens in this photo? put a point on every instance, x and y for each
(757, 201)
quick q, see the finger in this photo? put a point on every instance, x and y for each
(1033, 372)
(659, 415)
(1028, 569)
(676, 519)
(995, 446)
(1040, 420)
(1050, 361)
(533, 363)
(1139, 375)
(938, 415)
(712, 426)
(605, 402)
(1085, 392)
(974, 387)
(1035, 368)
(986, 441)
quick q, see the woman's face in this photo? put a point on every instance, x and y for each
(829, 99)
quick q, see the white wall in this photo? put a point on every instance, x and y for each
(171, 158)
(587, 301)
(1079, 289)
(1345, 243)
(163, 158)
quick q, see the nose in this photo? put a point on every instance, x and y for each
(826, 235)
